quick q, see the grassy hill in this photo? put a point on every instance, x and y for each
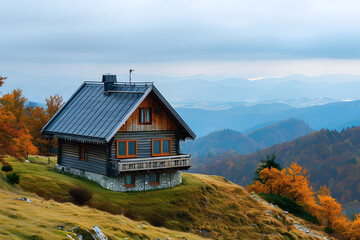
(40, 218)
(203, 206)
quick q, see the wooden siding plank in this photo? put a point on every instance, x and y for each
(144, 141)
(97, 157)
(160, 120)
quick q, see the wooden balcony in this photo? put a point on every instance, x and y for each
(140, 164)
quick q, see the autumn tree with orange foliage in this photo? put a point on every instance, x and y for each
(330, 208)
(14, 102)
(333, 212)
(15, 139)
(350, 230)
(293, 182)
(7, 130)
(20, 126)
(36, 120)
(323, 190)
(2, 79)
(53, 105)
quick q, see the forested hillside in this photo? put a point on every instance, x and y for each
(230, 140)
(219, 142)
(280, 132)
(333, 158)
(21, 122)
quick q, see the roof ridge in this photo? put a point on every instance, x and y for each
(121, 83)
(88, 113)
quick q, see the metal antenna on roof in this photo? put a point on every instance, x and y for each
(130, 71)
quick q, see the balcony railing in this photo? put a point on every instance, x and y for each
(139, 164)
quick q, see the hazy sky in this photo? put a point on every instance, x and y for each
(235, 38)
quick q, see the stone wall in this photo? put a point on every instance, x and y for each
(166, 179)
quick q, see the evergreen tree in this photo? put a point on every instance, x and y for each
(268, 163)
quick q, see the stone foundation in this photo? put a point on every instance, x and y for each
(166, 179)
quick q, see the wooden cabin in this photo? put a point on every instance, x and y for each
(125, 136)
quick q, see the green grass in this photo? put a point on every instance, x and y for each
(291, 206)
(228, 213)
(40, 220)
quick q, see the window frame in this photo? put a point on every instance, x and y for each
(126, 148)
(82, 152)
(157, 179)
(133, 180)
(144, 116)
(161, 147)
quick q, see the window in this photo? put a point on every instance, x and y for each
(154, 179)
(126, 148)
(145, 115)
(129, 181)
(83, 155)
(161, 147)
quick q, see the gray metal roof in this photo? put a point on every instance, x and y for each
(91, 115)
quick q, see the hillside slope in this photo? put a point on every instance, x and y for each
(228, 140)
(332, 157)
(40, 219)
(218, 142)
(204, 205)
(280, 132)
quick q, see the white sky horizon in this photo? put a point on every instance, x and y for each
(50, 47)
(212, 70)
(231, 38)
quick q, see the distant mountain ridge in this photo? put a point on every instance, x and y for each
(280, 132)
(336, 115)
(232, 141)
(237, 118)
(240, 89)
(220, 141)
(202, 88)
(332, 157)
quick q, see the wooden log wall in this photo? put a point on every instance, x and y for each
(97, 157)
(161, 119)
(144, 141)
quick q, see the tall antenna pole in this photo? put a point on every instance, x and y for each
(130, 71)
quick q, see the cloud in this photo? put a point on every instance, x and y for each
(117, 32)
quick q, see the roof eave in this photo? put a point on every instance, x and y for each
(173, 111)
(166, 103)
(76, 138)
